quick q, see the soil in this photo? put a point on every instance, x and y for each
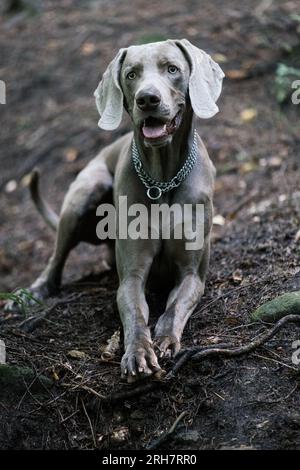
(51, 60)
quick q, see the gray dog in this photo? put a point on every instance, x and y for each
(162, 86)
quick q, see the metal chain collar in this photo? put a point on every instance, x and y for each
(156, 188)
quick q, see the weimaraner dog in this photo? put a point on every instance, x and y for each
(162, 86)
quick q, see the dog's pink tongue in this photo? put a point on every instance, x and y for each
(153, 132)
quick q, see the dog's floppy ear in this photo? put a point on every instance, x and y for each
(205, 83)
(109, 95)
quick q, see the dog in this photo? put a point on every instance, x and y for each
(163, 86)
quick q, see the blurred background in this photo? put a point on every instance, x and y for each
(53, 54)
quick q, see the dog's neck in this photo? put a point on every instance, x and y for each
(162, 163)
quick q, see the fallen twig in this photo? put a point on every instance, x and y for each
(83, 387)
(32, 322)
(186, 354)
(133, 392)
(164, 437)
(113, 345)
(196, 354)
(238, 351)
(233, 291)
(234, 209)
(90, 423)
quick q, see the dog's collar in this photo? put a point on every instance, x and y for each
(156, 188)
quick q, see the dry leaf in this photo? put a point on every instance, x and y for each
(274, 162)
(237, 275)
(237, 74)
(55, 376)
(248, 167)
(282, 197)
(25, 245)
(232, 321)
(88, 48)
(214, 339)
(75, 354)
(219, 58)
(26, 180)
(248, 114)
(71, 154)
(263, 424)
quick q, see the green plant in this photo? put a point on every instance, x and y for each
(21, 298)
(284, 78)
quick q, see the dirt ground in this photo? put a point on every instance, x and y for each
(51, 60)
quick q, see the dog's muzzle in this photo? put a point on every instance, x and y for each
(154, 128)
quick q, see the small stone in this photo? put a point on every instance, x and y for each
(219, 220)
(137, 415)
(11, 186)
(237, 275)
(263, 424)
(241, 447)
(15, 380)
(188, 437)
(120, 435)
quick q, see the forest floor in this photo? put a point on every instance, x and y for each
(51, 60)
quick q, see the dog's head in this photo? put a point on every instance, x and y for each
(156, 83)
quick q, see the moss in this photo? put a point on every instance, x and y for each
(286, 304)
(14, 379)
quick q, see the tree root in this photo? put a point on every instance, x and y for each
(196, 354)
(164, 437)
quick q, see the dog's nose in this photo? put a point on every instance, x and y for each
(148, 100)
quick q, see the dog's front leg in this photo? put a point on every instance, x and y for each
(133, 267)
(170, 326)
(180, 305)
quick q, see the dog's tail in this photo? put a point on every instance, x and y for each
(49, 216)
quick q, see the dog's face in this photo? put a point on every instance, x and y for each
(155, 79)
(156, 83)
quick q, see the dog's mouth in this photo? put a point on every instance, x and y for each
(156, 129)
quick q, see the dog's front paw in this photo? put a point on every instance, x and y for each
(139, 360)
(167, 345)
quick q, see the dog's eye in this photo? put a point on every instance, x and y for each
(172, 69)
(131, 75)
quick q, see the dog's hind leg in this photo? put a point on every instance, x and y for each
(77, 222)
